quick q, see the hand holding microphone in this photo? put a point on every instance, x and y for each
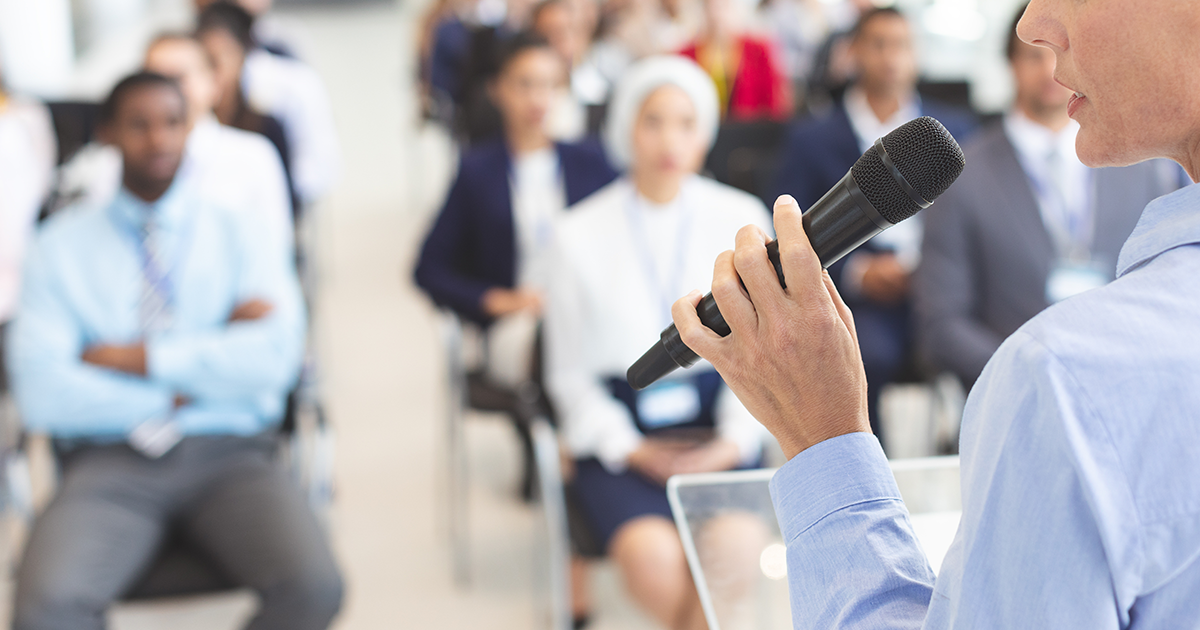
(774, 326)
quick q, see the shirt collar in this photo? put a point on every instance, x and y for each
(1168, 222)
(867, 125)
(169, 210)
(1035, 141)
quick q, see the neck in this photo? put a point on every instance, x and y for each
(885, 104)
(1191, 161)
(1053, 118)
(660, 190)
(226, 109)
(521, 141)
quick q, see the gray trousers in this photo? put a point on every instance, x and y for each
(222, 495)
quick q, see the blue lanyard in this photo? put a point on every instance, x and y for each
(666, 296)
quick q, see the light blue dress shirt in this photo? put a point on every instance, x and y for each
(1080, 473)
(82, 287)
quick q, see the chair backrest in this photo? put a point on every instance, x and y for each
(75, 125)
(736, 552)
(743, 155)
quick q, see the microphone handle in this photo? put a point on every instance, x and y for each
(710, 316)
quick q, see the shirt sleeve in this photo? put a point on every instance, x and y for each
(449, 241)
(853, 559)
(242, 359)
(594, 423)
(56, 392)
(1046, 521)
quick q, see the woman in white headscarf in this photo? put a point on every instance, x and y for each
(623, 255)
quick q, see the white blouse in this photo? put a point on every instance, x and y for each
(619, 262)
(28, 151)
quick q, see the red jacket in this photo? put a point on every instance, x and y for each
(760, 89)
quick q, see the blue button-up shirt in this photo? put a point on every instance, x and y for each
(1080, 473)
(82, 287)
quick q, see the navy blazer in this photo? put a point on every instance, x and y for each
(472, 246)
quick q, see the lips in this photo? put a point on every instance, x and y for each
(1073, 105)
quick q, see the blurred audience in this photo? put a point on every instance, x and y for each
(28, 152)
(622, 257)
(486, 255)
(799, 28)
(874, 280)
(750, 81)
(292, 93)
(443, 47)
(236, 169)
(156, 341)
(568, 31)
(227, 39)
(1026, 225)
(272, 35)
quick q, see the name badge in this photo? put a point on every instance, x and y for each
(1069, 279)
(668, 404)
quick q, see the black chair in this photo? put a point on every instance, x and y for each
(744, 155)
(75, 125)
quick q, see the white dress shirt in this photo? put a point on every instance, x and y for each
(1061, 183)
(1080, 480)
(28, 151)
(293, 93)
(605, 307)
(235, 169)
(904, 238)
(538, 197)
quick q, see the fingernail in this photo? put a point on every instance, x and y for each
(784, 200)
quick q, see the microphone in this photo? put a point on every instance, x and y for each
(902, 174)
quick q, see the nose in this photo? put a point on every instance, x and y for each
(1042, 25)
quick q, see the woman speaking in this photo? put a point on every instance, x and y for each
(1080, 475)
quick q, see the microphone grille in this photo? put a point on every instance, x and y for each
(925, 154)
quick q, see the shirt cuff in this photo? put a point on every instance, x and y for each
(828, 477)
(614, 451)
(168, 359)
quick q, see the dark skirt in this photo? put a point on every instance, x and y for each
(606, 501)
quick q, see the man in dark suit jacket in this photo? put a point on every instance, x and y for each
(873, 281)
(470, 257)
(989, 249)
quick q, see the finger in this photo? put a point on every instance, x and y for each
(700, 338)
(843, 311)
(731, 296)
(801, 267)
(755, 269)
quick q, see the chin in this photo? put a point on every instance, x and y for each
(1101, 150)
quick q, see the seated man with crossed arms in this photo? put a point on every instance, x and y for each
(155, 342)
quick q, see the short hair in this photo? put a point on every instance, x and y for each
(131, 84)
(517, 45)
(1010, 49)
(230, 18)
(873, 14)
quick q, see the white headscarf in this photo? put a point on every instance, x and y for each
(639, 82)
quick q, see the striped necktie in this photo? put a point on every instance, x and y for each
(155, 309)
